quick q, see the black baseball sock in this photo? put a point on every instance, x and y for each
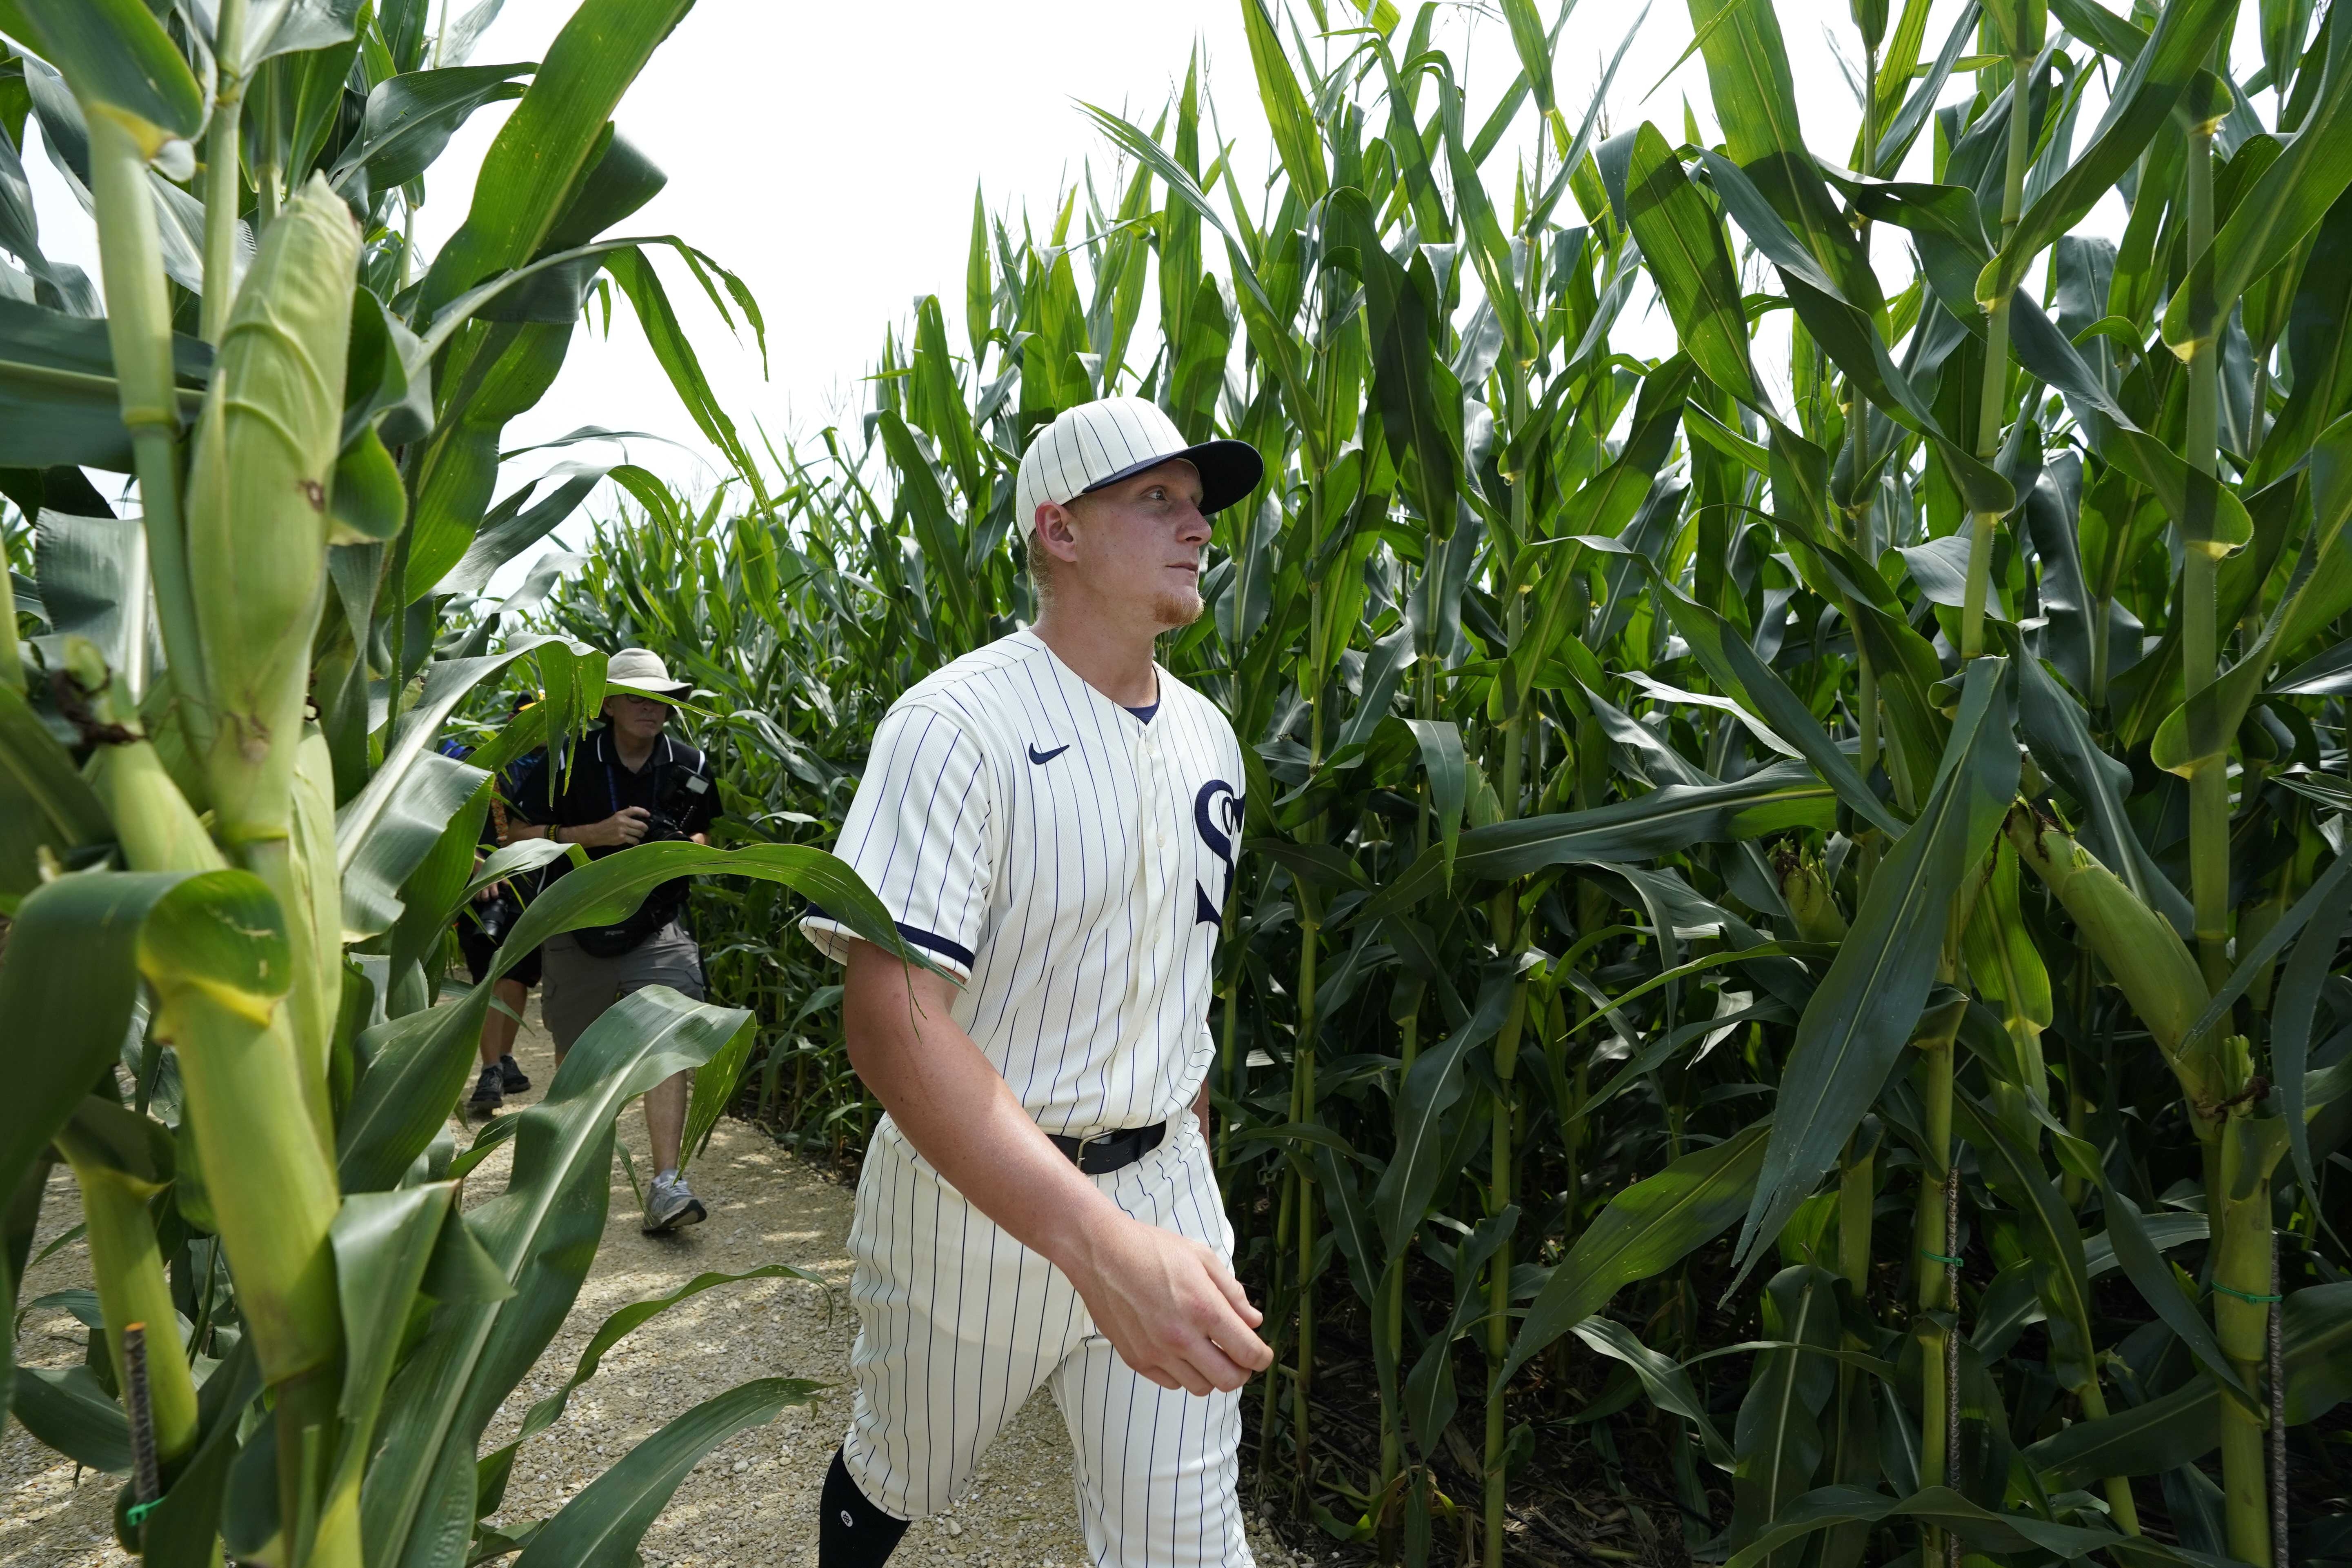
(851, 1532)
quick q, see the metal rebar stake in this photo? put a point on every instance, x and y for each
(146, 1475)
(1952, 1346)
(2278, 1418)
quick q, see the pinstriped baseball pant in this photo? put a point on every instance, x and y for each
(959, 1323)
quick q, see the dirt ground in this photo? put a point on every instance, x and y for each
(752, 1501)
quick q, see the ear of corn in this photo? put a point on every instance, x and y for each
(258, 501)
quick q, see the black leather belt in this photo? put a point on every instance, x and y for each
(1099, 1154)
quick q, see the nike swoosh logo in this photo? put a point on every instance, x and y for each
(1038, 755)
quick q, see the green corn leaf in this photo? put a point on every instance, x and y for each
(1777, 1441)
(1847, 334)
(59, 400)
(715, 1083)
(383, 1242)
(1755, 98)
(45, 805)
(1864, 1012)
(2255, 956)
(1667, 1384)
(2138, 107)
(1440, 741)
(2058, 732)
(2052, 1238)
(414, 820)
(550, 139)
(2197, 734)
(446, 683)
(1289, 114)
(2142, 1264)
(2002, 1533)
(1410, 381)
(1435, 1083)
(119, 62)
(2286, 202)
(66, 1409)
(409, 119)
(1645, 1232)
(418, 1062)
(1902, 127)
(542, 1234)
(496, 1466)
(1352, 1231)
(1682, 242)
(2165, 1433)
(2319, 340)
(602, 1526)
(2292, 1009)
(1783, 795)
(519, 522)
(1732, 664)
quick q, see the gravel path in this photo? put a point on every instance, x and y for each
(754, 1501)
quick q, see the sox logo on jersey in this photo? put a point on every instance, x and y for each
(1036, 841)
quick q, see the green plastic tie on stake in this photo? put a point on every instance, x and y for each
(2250, 1301)
(1939, 1258)
(136, 1514)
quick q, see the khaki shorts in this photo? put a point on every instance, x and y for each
(576, 986)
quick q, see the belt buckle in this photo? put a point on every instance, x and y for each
(1088, 1141)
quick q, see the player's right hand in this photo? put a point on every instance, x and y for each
(1171, 1308)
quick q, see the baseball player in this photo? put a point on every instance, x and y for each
(1052, 820)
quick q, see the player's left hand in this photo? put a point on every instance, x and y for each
(1171, 1308)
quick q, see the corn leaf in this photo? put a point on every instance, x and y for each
(498, 1466)
(1643, 1231)
(409, 119)
(1854, 1030)
(550, 139)
(541, 1233)
(118, 57)
(2138, 107)
(1767, 800)
(1682, 243)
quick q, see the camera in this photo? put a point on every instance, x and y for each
(679, 790)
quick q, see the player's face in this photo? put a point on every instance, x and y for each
(1139, 544)
(636, 717)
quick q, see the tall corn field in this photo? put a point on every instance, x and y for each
(229, 844)
(1785, 954)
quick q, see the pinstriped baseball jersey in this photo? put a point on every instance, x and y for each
(1067, 861)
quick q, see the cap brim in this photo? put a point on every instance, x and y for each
(1229, 470)
(676, 693)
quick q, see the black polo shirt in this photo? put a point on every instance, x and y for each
(599, 785)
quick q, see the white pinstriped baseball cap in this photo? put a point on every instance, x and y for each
(1099, 443)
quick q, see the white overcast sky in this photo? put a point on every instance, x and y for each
(828, 153)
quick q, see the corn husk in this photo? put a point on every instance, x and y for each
(2141, 951)
(258, 500)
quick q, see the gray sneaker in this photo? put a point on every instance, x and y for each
(489, 1094)
(670, 1206)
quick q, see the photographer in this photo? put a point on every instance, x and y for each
(627, 783)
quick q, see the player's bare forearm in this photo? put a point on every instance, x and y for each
(1169, 1305)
